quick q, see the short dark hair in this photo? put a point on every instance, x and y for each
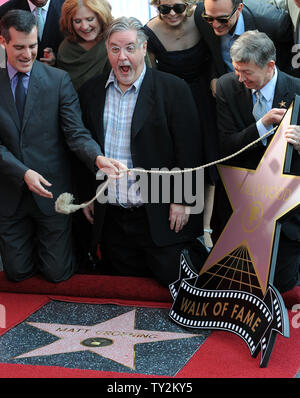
(22, 21)
(235, 3)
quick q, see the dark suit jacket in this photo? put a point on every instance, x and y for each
(259, 15)
(165, 132)
(237, 126)
(52, 36)
(52, 118)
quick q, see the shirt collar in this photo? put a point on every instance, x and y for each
(12, 71)
(268, 90)
(137, 84)
(240, 26)
(33, 7)
(238, 31)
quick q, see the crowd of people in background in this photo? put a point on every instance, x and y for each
(109, 94)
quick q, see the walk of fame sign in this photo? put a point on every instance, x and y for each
(234, 291)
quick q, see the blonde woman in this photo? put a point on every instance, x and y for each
(83, 53)
(175, 46)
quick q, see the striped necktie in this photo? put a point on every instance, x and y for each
(259, 108)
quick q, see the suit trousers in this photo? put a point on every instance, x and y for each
(31, 242)
(127, 247)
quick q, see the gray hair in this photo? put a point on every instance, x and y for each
(126, 23)
(253, 46)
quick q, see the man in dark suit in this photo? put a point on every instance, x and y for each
(221, 21)
(156, 126)
(39, 118)
(51, 36)
(253, 55)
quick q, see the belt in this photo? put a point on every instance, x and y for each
(122, 209)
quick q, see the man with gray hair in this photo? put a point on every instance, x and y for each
(139, 116)
(249, 103)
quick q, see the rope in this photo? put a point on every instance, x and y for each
(207, 164)
(64, 203)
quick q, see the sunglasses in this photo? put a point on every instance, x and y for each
(223, 20)
(165, 9)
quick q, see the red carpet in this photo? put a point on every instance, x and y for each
(222, 355)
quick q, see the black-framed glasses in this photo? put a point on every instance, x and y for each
(223, 20)
(165, 9)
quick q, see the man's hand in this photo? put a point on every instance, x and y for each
(213, 86)
(34, 182)
(49, 57)
(274, 116)
(113, 168)
(292, 135)
(88, 211)
(178, 216)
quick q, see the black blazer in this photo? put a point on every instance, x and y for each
(259, 15)
(165, 132)
(237, 126)
(52, 36)
(52, 120)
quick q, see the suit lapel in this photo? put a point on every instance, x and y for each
(96, 111)
(248, 19)
(143, 105)
(36, 79)
(7, 99)
(296, 26)
(245, 101)
(52, 15)
(281, 94)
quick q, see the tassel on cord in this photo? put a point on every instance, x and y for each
(64, 203)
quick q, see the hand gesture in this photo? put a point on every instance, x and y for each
(34, 182)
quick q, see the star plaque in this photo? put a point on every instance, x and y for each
(118, 333)
(103, 337)
(234, 290)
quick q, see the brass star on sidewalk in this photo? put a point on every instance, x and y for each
(114, 339)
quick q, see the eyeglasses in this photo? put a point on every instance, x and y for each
(130, 49)
(178, 8)
(223, 20)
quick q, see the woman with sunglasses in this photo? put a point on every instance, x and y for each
(175, 46)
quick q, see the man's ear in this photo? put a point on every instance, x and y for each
(145, 48)
(2, 41)
(271, 65)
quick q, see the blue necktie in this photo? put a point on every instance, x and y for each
(20, 95)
